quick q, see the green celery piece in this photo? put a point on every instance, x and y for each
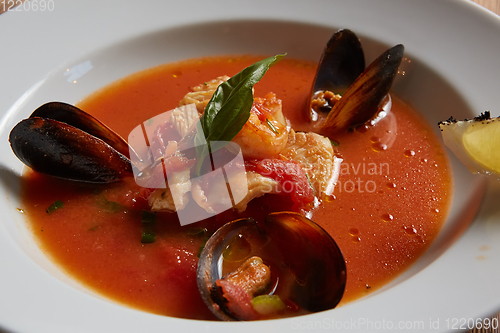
(268, 304)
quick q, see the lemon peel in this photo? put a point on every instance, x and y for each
(475, 142)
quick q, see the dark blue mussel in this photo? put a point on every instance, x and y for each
(61, 140)
(363, 91)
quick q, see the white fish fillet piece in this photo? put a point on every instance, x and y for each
(183, 117)
(175, 197)
(201, 94)
(316, 156)
(258, 185)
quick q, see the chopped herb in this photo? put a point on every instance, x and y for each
(148, 237)
(148, 217)
(334, 143)
(197, 231)
(310, 184)
(148, 223)
(108, 205)
(150, 121)
(56, 205)
(271, 126)
(202, 246)
(113, 206)
(94, 228)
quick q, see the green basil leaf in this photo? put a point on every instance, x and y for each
(232, 117)
(229, 108)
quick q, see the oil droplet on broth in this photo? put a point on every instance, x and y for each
(379, 146)
(420, 239)
(353, 231)
(329, 198)
(362, 129)
(409, 153)
(391, 185)
(410, 230)
(387, 217)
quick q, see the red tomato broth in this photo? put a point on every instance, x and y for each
(399, 198)
(380, 232)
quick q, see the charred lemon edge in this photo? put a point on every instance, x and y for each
(474, 144)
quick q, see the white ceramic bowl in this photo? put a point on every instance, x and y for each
(70, 51)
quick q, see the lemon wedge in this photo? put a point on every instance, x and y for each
(475, 142)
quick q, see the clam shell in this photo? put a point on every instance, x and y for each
(310, 267)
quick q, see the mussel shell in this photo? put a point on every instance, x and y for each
(61, 150)
(342, 61)
(362, 100)
(309, 253)
(78, 118)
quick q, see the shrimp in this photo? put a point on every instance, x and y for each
(265, 134)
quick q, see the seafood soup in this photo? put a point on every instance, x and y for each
(381, 191)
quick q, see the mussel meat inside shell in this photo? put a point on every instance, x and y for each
(285, 266)
(334, 106)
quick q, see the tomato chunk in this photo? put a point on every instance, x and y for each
(290, 175)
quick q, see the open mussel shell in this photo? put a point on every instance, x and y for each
(310, 267)
(57, 140)
(341, 63)
(362, 100)
(78, 118)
